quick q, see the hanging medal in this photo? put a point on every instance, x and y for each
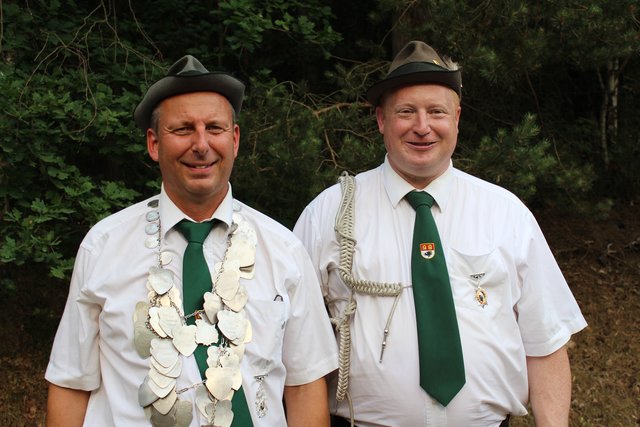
(261, 397)
(480, 293)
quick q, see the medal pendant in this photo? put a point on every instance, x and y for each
(481, 297)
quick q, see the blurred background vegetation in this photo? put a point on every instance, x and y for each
(550, 103)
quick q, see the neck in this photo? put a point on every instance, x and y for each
(199, 209)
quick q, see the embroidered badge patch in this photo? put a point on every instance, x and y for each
(427, 250)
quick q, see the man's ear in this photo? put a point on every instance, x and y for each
(152, 144)
(236, 140)
(380, 119)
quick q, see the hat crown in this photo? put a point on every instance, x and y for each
(188, 75)
(416, 51)
(187, 66)
(417, 63)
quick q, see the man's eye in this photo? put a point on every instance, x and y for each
(215, 130)
(182, 130)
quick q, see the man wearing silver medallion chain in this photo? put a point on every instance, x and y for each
(128, 353)
(512, 310)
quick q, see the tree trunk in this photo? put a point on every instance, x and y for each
(609, 110)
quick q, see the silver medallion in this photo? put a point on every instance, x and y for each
(154, 321)
(146, 396)
(247, 233)
(162, 391)
(223, 416)
(142, 338)
(238, 350)
(184, 339)
(202, 399)
(165, 258)
(169, 371)
(239, 300)
(153, 216)
(227, 283)
(220, 382)
(229, 359)
(164, 352)
(169, 319)
(233, 325)
(151, 242)
(141, 311)
(210, 409)
(152, 228)
(164, 301)
(160, 280)
(243, 251)
(162, 381)
(248, 335)
(174, 294)
(247, 272)
(165, 404)
(159, 420)
(213, 355)
(212, 305)
(184, 413)
(206, 333)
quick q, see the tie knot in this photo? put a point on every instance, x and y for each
(194, 232)
(419, 198)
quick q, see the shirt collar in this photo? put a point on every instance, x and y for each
(170, 214)
(396, 187)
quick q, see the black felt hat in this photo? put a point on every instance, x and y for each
(185, 76)
(416, 63)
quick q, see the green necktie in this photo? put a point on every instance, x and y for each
(441, 363)
(196, 280)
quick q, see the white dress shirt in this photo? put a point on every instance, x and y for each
(484, 230)
(292, 340)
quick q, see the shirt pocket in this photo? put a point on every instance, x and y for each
(478, 281)
(267, 323)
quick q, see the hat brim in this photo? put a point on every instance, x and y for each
(224, 84)
(412, 74)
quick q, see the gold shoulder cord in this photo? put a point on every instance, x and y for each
(344, 225)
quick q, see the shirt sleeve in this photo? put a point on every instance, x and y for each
(310, 350)
(315, 230)
(305, 230)
(548, 313)
(74, 361)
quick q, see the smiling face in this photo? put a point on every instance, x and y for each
(195, 142)
(419, 124)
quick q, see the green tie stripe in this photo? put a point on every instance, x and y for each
(441, 363)
(196, 280)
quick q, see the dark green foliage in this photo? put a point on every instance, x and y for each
(538, 114)
(278, 166)
(524, 163)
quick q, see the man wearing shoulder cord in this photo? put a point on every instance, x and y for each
(500, 321)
